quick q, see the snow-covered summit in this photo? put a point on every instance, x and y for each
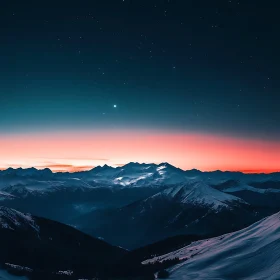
(135, 174)
(199, 193)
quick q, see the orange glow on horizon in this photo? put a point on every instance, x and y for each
(268, 171)
(83, 150)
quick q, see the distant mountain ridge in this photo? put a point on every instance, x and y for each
(134, 174)
(33, 170)
(148, 202)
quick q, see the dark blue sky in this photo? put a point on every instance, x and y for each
(210, 66)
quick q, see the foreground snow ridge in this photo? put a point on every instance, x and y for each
(251, 253)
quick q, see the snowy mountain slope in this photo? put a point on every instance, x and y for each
(12, 219)
(251, 253)
(199, 193)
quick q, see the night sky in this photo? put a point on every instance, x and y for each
(155, 71)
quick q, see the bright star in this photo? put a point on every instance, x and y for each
(115, 106)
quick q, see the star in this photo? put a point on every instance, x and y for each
(115, 106)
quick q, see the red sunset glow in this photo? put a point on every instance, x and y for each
(83, 150)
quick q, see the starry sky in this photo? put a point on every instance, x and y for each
(195, 83)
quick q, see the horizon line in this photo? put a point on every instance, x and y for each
(76, 169)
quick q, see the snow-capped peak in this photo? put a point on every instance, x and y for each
(199, 193)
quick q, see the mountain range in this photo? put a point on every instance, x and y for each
(132, 174)
(143, 203)
(143, 210)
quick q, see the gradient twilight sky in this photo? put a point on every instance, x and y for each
(195, 83)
